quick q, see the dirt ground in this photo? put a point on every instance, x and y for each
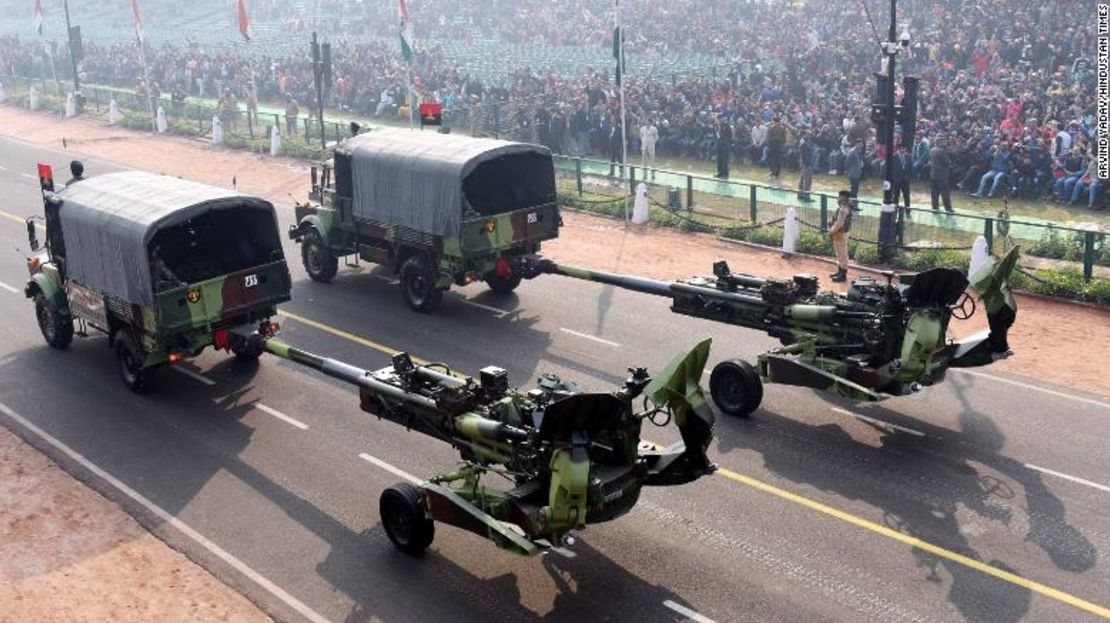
(68, 554)
(59, 539)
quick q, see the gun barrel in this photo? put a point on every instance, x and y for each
(347, 373)
(638, 284)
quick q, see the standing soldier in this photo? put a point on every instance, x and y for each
(724, 147)
(940, 165)
(177, 99)
(616, 148)
(649, 135)
(776, 142)
(229, 110)
(838, 234)
(903, 173)
(291, 113)
(807, 163)
(251, 95)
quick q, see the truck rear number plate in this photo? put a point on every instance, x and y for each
(533, 218)
(250, 281)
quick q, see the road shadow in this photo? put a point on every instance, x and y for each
(941, 488)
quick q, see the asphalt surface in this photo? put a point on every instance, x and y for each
(981, 499)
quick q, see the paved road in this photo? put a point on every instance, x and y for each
(982, 499)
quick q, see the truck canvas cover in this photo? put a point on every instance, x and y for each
(109, 220)
(415, 179)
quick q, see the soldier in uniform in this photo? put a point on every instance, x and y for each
(838, 233)
(724, 147)
(291, 112)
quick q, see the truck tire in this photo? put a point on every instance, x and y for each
(403, 517)
(129, 361)
(418, 284)
(246, 352)
(56, 329)
(501, 285)
(319, 261)
(735, 388)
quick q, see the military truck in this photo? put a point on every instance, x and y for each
(165, 267)
(435, 209)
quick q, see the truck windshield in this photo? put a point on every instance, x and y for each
(212, 245)
(509, 183)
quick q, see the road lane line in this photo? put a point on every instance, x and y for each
(881, 423)
(1097, 403)
(194, 375)
(1075, 479)
(564, 552)
(390, 280)
(500, 313)
(3, 168)
(281, 416)
(915, 542)
(590, 337)
(688, 613)
(299, 606)
(396, 471)
(5, 286)
(29, 176)
(347, 336)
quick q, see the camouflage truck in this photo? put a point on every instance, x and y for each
(165, 267)
(436, 209)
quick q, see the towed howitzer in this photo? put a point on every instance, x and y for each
(573, 458)
(875, 341)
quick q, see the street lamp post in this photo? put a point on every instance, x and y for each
(888, 215)
(73, 59)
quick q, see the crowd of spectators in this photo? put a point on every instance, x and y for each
(1012, 99)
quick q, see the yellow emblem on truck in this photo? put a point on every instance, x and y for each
(193, 295)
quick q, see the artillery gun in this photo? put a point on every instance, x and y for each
(877, 340)
(572, 458)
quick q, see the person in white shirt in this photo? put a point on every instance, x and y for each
(649, 135)
(759, 139)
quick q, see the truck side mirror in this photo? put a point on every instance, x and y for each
(32, 238)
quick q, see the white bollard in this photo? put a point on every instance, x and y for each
(640, 206)
(980, 256)
(3, 97)
(113, 112)
(217, 131)
(275, 141)
(71, 106)
(161, 122)
(33, 98)
(790, 232)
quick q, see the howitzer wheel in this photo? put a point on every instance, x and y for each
(56, 329)
(403, 517)
(735, 387)
(319, 261)
(418, 284)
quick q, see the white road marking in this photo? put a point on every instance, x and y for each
(1097, 403)
(500, 313)
(281, 416)
(396, 471)
(5, 286)
(688, 613)
(3, 168)
(390, 280)
(564, 552)
(194, 375)
(1074, 479)
(29, 176)
(590, 337)
(876, 422)
(176, 523)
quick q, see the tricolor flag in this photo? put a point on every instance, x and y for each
(406, 31)
(618, 53)
(138, 20)
(38, 16)
(244, 21)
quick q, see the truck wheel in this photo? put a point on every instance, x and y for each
(418, 284)
(56, 329)
(319, 262)
(501, 285)
(129, 358)
(247, 352)
(404, 519)
(735, 387)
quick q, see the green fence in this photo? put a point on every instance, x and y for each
(727, 204)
